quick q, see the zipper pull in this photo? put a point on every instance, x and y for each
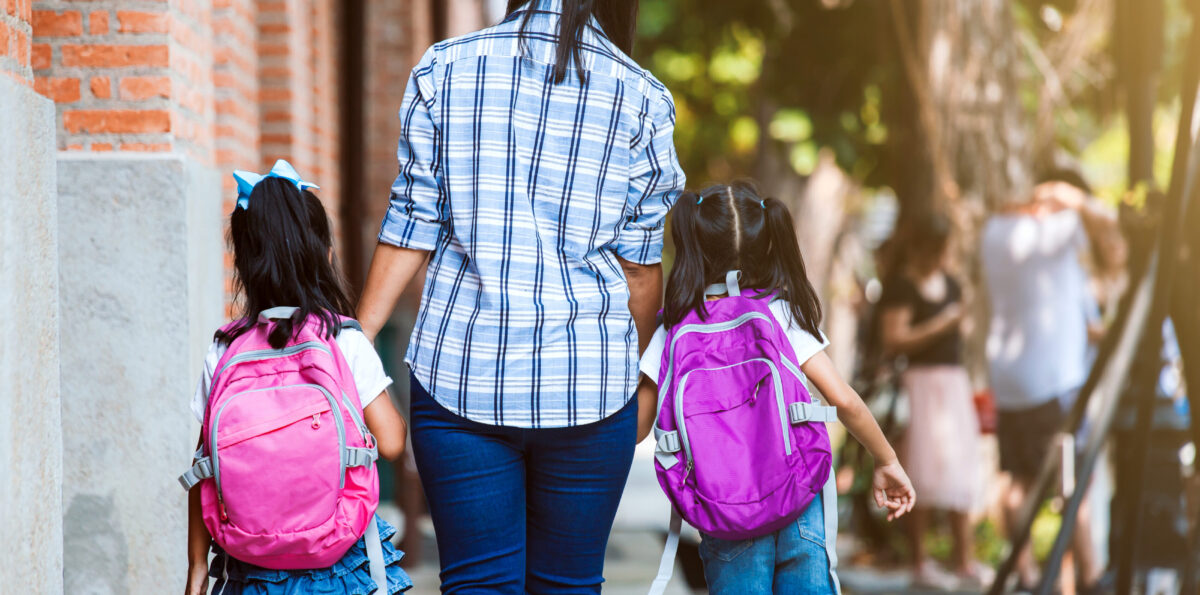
(316, 423)
(221, 508)
(687, 470)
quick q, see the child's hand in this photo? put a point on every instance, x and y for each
(893, 490)
(197, 582)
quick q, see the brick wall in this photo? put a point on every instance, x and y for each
(399, 33)
(16, 36)
(132, 75)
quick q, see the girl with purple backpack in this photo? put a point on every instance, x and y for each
(294, 410)
(740, 451)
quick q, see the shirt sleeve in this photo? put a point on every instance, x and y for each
(803, 342)
(415, 216)
(369, 376)
(651, 363)
(655, 182)
(200, 398)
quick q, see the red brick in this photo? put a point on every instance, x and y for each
(101, 87)
(23, 47)
(142, 22)
(116, 121)
(61, 90)
(146, 147)
(101, 147)
(74, 147)
(4, 38)
(41, 56)
(137, 88)
(114, 56)
(98, 22)
(48, 23)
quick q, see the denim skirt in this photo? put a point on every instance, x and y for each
(351, 575)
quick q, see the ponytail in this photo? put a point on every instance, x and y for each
(685, 286)
(786, 268)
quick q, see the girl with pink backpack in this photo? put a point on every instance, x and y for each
(294, 412)
(741, 448)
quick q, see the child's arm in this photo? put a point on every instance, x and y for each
(891, 486)
(387, 426)
(647, 397)
(198, 544)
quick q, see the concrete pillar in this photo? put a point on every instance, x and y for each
(141, 286)
(30, 423)
(140, 281)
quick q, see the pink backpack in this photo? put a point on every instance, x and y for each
(742, 447)
(286, 466)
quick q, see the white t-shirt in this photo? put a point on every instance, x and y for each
(1038, 292)
(803, 343)
(365, 367)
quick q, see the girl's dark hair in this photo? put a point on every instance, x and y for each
(617, 18)
(281, 257)
(730, 227)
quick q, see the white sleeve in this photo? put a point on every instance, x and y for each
(651, 363)
(369, 377)
(200, 398)
(803, 342)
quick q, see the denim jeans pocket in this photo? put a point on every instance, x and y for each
(725, 550)
(811, 523)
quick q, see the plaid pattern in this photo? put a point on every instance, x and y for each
(526, 192)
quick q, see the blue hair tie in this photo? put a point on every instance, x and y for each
(246, 181)
(700, 200)
(763, 204)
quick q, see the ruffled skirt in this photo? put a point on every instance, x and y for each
(349, 576)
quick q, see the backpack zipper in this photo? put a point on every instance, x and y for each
(715, 327)
(216, 464)
(263, 354)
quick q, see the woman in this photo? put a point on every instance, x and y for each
(922, 313)
(536, 170)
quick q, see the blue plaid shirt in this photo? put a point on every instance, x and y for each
(526, 193)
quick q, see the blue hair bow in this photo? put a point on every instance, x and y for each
(246, 181)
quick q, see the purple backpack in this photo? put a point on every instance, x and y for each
(741, 448)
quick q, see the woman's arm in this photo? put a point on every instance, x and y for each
(900, 336)
(392, 269)
(892, 488)
(647, 396)
(388, 427)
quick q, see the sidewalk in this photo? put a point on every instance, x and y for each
(635, 548)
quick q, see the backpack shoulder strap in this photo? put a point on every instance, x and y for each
(352, 324)
(667, 566)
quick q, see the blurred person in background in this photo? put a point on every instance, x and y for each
(1038, 333)
(922, 313)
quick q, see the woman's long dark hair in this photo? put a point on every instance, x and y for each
(281, 257)
(618, 19)
(730, 227)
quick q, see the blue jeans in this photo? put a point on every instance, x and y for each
(516, 510)
(790, 560)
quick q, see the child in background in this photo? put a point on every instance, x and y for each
(283, 266)
(717, 233)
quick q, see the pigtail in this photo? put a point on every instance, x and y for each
(786, 267)
(685, 286)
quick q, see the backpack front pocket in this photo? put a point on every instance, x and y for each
(734, 431)
(277, 458)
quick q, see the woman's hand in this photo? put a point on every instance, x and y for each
(197, 581)
(893, 490)
(647, 396)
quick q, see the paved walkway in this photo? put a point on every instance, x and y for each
(635, 548)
